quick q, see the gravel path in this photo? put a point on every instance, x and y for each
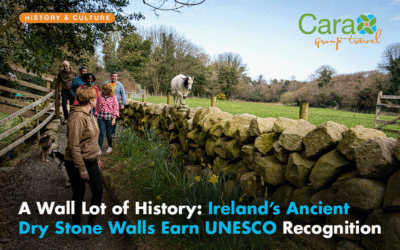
(34, 181)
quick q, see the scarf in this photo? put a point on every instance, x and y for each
(113, 85)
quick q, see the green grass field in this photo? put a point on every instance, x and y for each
(316, 116)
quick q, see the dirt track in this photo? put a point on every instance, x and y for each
(34, 181)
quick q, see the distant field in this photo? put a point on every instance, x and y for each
(316, 116)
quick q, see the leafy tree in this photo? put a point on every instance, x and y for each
(394, 68)
(229, 69)
(323, 75)
(391, 63)
(285, 87)
(366, 99)
(133, 54)
(172, 54)
(110, 58)
(325, 78)
(35, 46)
(167, 62)
(228, 79)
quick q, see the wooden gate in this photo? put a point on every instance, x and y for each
(33, 111)
(384, 102)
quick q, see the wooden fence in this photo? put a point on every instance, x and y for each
(33, 111)
(387, 105)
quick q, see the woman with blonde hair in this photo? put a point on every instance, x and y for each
(81, 159)
(107, 111)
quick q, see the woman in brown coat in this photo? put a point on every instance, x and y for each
(81, 155)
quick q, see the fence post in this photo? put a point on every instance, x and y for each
(304, 111)
(143, 98)
(213, 101)
(57, 103)
(129, 95)
(37, 121)
(48, 84)
(169, 100)
(378, 109)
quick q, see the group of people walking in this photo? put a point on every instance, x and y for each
(93, 113)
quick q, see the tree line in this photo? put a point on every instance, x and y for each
(155, 55)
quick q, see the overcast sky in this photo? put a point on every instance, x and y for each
(267, 35)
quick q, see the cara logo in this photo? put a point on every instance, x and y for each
(366, 25)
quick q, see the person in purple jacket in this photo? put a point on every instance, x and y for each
(107, 111)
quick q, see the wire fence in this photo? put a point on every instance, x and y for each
(139, 95)
(136, 95)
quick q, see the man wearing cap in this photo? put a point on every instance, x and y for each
(65, 76)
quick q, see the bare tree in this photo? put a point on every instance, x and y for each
(175, 5)
(183, 47)
(231, 59)
(260, 80)
(391, 63)
(390, 54)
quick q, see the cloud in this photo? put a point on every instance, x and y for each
(395, 2)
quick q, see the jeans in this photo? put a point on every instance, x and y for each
(78, 187)
(115, 126)
(105, 128)
(65, 97)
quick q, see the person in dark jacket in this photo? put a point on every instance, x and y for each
(64, 77)
(77, 81)
(88, 80)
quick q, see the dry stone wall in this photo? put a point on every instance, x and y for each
(289, 160)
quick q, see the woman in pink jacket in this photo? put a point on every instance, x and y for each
(107, 111)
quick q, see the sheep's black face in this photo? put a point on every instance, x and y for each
(190, 83)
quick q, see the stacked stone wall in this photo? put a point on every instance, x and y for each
(289, 160)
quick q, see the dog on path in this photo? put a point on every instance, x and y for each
(47, 143)
(58, 157)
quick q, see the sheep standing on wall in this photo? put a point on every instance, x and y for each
(180, 88)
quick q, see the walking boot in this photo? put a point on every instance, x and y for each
(81, 236)
(92, 223)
